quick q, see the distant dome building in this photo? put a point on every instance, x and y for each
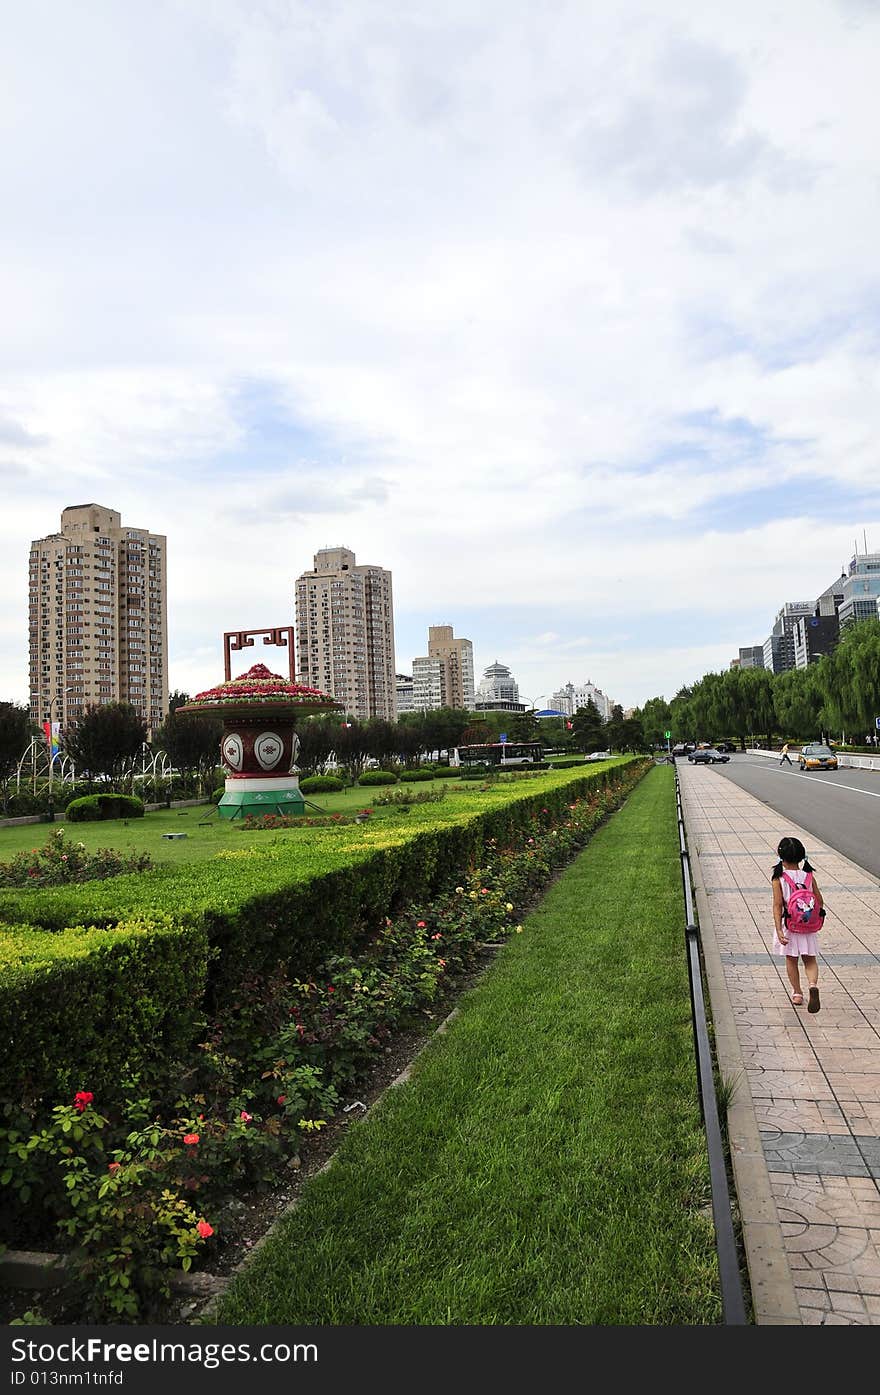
(498, 691)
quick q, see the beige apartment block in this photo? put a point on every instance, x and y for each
(345, 633)
(457, 657)
(98, 618)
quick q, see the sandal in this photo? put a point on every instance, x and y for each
(813, 1005)
(797, 999)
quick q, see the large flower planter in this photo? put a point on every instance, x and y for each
(259, 712)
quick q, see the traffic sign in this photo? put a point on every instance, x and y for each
(877, 722)
(503, 736)
(667, 734)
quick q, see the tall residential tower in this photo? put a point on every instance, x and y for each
(98, 618)
(345, 633)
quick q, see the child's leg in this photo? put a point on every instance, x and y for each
(791, 968)
(811, 969)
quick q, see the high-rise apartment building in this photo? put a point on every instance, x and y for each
(98, 618)
(345, 633)
(457, 658)
(405, 691)
(429, 687)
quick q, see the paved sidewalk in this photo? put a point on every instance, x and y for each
(805, 1121)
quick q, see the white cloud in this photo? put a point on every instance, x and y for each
(542, 298)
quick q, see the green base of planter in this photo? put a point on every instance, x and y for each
(240, 804)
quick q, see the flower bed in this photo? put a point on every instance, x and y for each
(61, 861)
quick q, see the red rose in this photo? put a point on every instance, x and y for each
(113, 1167)
(204, 1229)
(191, 1138)
(82, 1099)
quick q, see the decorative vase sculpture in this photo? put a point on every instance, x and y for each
(259, 711)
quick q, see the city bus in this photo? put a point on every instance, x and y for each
(498, 753)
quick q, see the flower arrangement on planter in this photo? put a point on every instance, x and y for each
(259, 748)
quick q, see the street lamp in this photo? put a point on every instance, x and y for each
(52, 702)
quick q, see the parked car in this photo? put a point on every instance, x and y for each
(680, 748)
(725, 745)
(598, 755)
(817, 757)
(706, 755)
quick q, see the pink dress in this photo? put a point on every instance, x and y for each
(797, 943)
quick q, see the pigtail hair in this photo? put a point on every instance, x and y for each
(776, 873)
(807, 867)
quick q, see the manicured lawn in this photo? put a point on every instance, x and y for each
(204, 839)
(545, 1164)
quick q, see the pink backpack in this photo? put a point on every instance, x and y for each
(801, 911)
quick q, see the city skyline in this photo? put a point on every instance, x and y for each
(544, 645)
(567, 316)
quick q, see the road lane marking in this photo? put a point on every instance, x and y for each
(801, 775)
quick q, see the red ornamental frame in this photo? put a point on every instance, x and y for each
(234, 640)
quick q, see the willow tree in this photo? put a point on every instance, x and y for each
(849, 678)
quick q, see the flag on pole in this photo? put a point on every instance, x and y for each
(51, 731)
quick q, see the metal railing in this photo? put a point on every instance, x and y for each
(732, 1302)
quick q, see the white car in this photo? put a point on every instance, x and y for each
(599, 755)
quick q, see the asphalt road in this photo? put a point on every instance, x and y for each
(842, 807)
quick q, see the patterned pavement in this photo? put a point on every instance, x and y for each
(805, 1124)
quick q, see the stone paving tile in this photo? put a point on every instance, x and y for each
(814, 1078)
(837, 1154)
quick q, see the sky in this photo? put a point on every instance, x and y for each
(567, 313)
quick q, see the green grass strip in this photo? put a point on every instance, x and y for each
(545, 1164)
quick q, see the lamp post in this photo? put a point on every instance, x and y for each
(52, 702)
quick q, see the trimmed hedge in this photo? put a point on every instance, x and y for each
(84, 1008)
(92, 808)
(413, 776)
(377, 777)
(86, 1005)
(218, 794)
(321, 784)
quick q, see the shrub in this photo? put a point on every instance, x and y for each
(567, 764)
(377, 777)
(413, 776)
(404, 798)
(82, 1007)
(218, 794)
(95, 807)
(321, 784)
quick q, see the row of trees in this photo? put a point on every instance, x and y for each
(839, 694)
(109, 739)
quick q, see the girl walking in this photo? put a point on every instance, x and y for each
(798, 912)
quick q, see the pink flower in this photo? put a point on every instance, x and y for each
(191, 1138)
(82, 1099)
(282, 1099)
(484, 891)
(245, 1117)
(204, 1229)
(330, 988)
(420, 925)
(436, 937)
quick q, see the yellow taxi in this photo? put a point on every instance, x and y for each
(817, 757)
